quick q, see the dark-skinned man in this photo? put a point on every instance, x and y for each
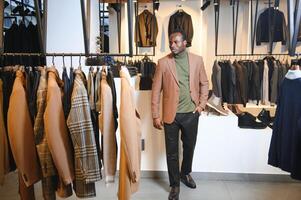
(183, 81)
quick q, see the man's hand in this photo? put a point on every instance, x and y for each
(157, 123)
(198, 109)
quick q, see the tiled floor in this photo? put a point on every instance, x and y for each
(157, 189)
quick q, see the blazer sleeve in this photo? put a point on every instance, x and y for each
(156, 90)
(284, 29)
(189, 31)
(154, 29)
(258, 32)
(204, 86)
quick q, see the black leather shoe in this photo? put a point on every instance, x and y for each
(246, 120)
(174, 193)
(265, 117)
(188, 181)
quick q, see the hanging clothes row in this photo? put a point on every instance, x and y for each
(20, 38)
(146, 67)
(21, 35)
(58, 131)
(246, 80)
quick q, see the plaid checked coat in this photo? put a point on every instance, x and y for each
(87, 170)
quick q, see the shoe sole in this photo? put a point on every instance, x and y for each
(217, 110)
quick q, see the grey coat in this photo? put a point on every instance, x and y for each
(216, 79)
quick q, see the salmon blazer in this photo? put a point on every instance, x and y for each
(165, 79)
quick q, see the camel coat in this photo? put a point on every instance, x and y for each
(56, 129)
(107, 128)
(130, 139)
(21, 135)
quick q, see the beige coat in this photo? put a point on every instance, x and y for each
(107, 128)
(165, 79)
(56, 129)
(130, 139)
(21, 136)
(265, 83)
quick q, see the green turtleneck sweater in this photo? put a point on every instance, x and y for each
(182, 67)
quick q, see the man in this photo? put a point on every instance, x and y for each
(182, 77)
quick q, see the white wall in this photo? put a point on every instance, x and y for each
(221, 145)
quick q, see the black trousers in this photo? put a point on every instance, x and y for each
(188, 124)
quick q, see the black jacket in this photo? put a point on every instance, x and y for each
(277, 24)
(240, 83)
(181, 20)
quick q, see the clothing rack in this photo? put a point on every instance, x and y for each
(263, 54)
(294, 20)
(92, 59)
(64, 54)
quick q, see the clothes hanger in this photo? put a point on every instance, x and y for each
(71, 61)
(80, 62)
(64, 66)
(146, 58)
(6, 4)
(91, 68)
(53, 61)
(180, 10)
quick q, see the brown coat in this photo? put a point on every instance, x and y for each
(181, 21)
(146, 30)
(56, 129)
(21, 136)
(165, 79)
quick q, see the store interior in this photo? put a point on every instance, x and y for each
(232, 156)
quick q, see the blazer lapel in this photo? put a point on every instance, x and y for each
(172, 68)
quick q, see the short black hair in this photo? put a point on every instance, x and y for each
(182, 32)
